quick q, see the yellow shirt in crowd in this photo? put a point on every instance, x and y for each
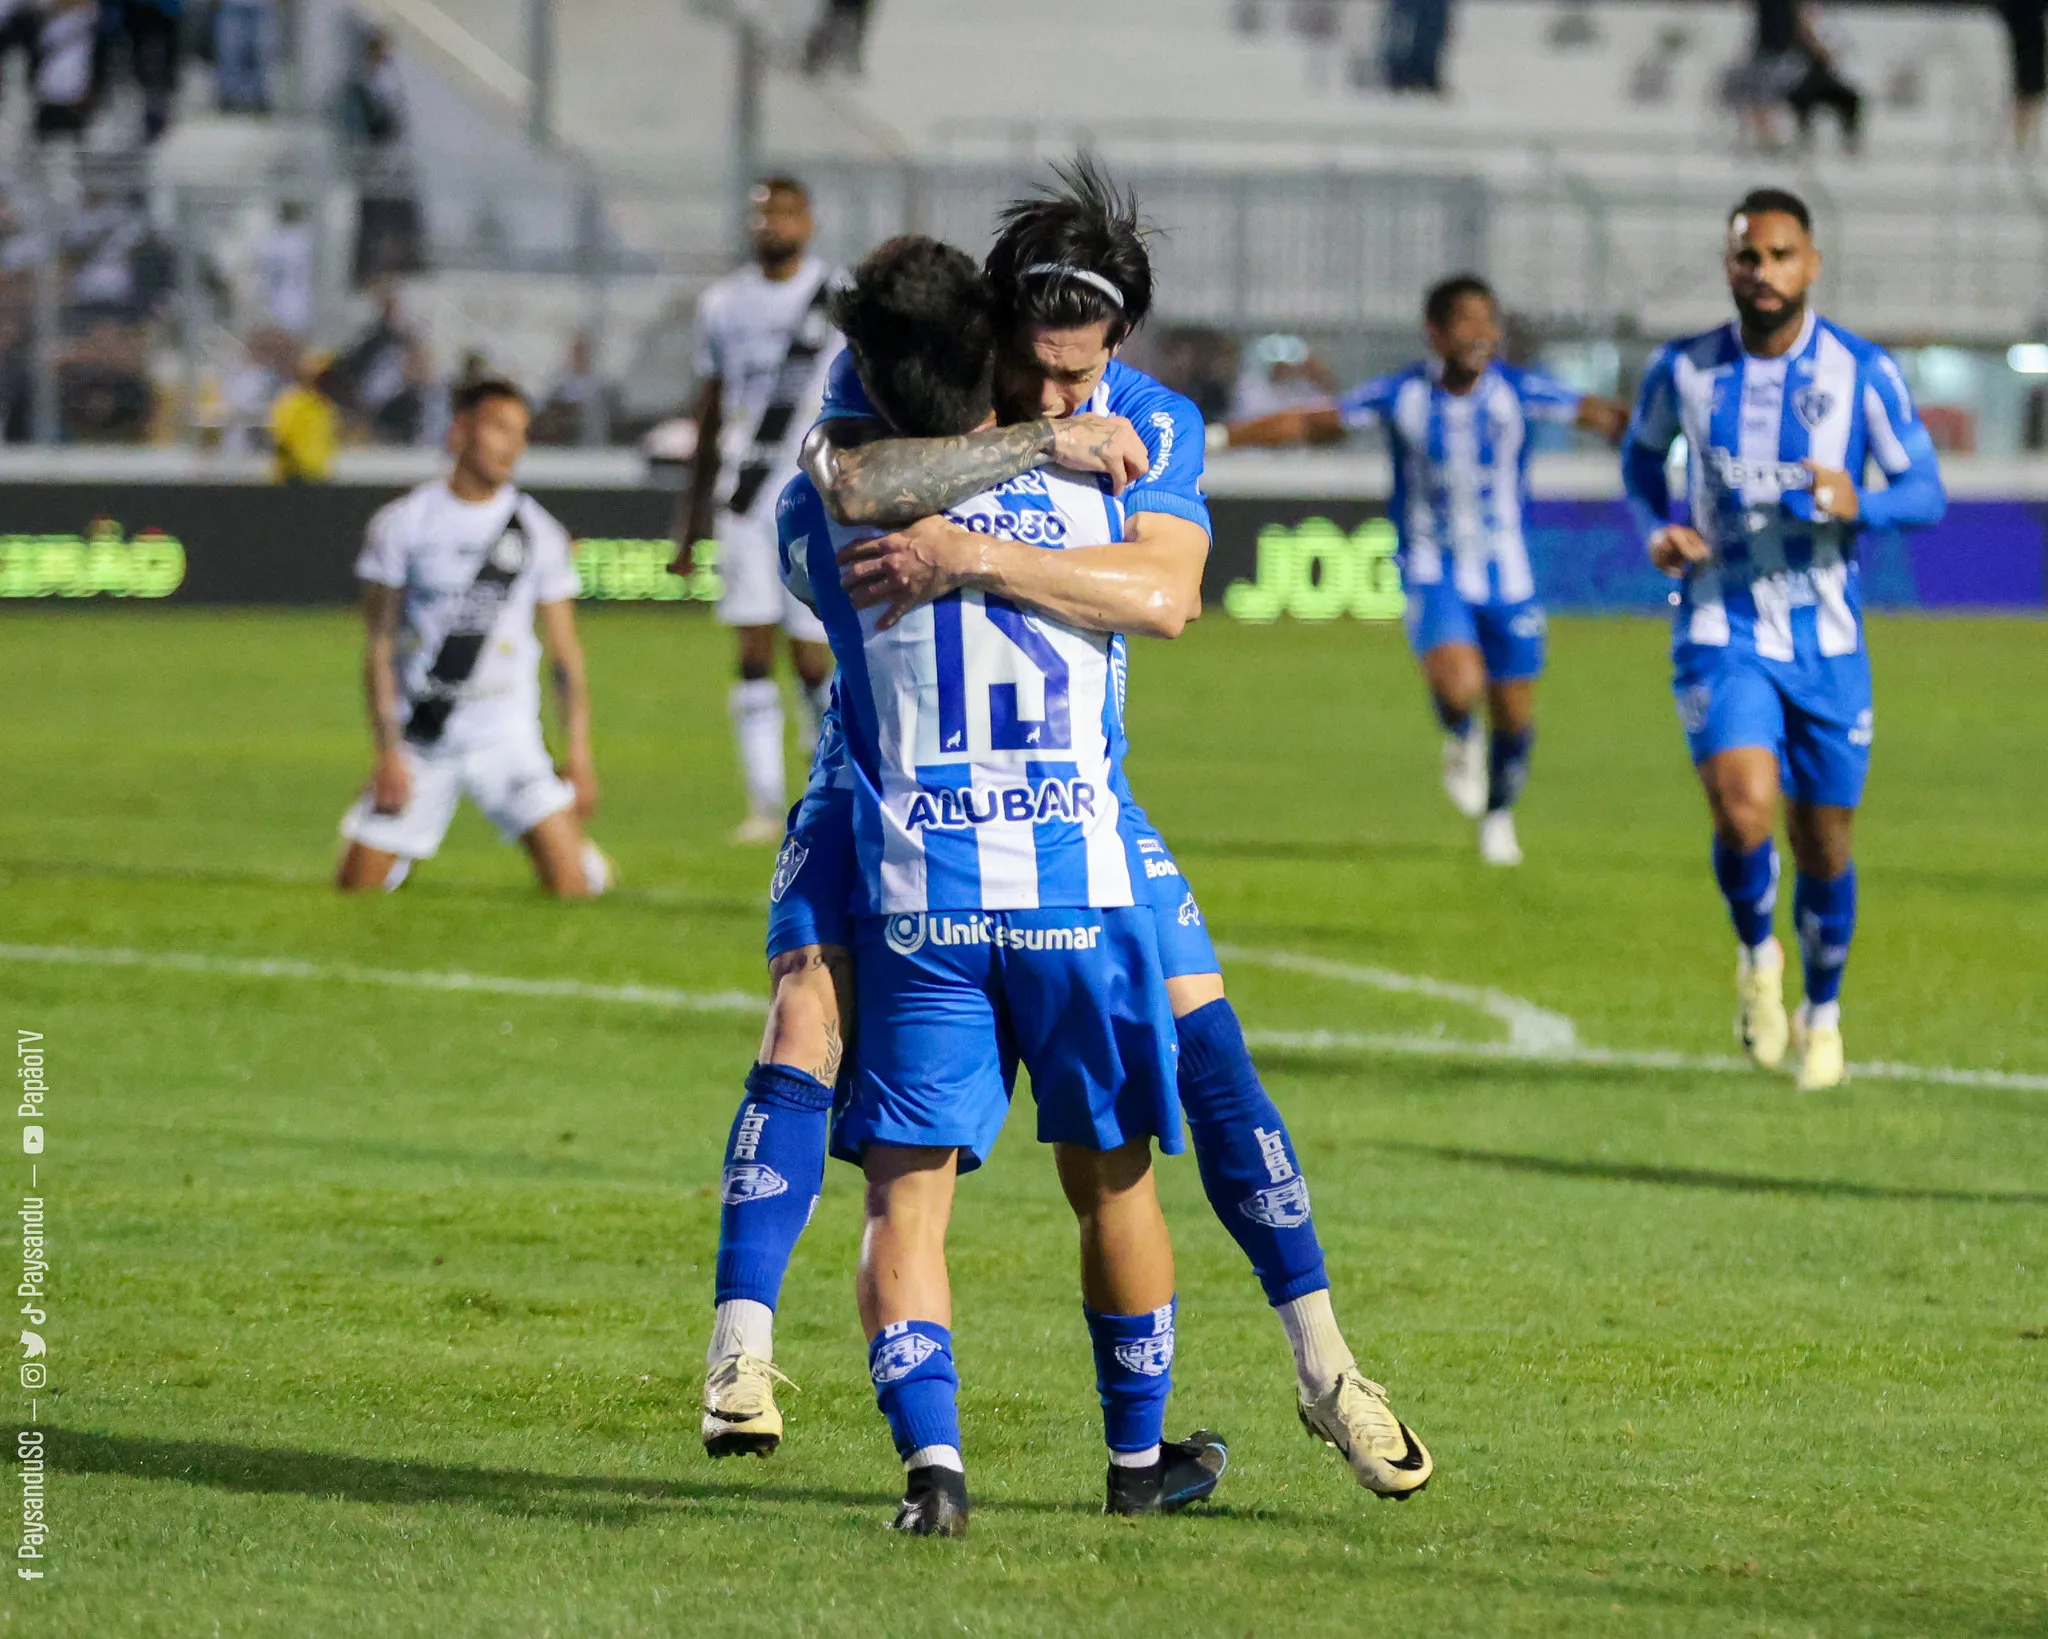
(302, 427)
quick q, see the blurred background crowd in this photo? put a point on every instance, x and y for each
(278, 230)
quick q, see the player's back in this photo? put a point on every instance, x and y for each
(984, 737)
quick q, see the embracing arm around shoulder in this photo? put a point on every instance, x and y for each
(868, 477)
(1149, 583)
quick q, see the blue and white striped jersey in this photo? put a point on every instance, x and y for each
(984, 740)
(1461, 464)
(1781, 582)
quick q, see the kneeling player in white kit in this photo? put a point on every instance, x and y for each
(453, 577)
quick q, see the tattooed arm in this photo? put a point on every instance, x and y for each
(867, 477)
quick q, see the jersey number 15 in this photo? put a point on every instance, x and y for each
(1009, 729)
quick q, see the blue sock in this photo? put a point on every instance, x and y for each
(1134, 1373)
(1825, 914)
(1249, 1170)
(1749, 882)
(1507, 766)
(774, 1169)
(916, 1386)
(1454, 722)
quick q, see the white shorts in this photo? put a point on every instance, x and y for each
(512, 779)
(751, 570)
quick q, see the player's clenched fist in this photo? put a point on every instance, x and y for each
(390, 782)
(1675, 549)
(1101, 443)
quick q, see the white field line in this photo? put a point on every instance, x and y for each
(240, 967)
(1531, 1029)
(1304, 1041)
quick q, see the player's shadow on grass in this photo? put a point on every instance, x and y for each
(1742, 1183)
(591, 1498)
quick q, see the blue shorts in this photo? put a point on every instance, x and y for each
(811, 895)
(1508, 635)
(950, 1002)
(1814, 713)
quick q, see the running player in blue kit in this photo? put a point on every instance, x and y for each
(1782, 414)
(1458, 426)
(1067, 327)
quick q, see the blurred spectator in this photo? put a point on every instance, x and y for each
(373, 100)
(64, 69)
(1416, 32)
(1822, 84)
(154, 46)
(1650, 79)
(244, 45)
(1761, 85)
(284, 271)
(838, 38)
(373, 120)
(1280, 373)
(104, 395)
(2027, 22)
(304, 423)
(564, 408)
(19, 25)
(378, 376)
(271, 362)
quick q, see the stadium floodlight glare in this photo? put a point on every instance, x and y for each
(2028, 358)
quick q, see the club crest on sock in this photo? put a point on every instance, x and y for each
(901, 1353)
(751, 1181)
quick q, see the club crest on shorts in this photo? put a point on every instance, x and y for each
(787, 864)
(751, 1181)
(508, 555)
(1284, 1206)
(900, 1356)
(1693, 705)
(904, 934)
(1812, 404)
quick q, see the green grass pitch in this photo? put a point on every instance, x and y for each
(381, 1310)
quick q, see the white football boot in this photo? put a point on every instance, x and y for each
(1465, 771)
(1498, 844)
(1760, 1022)
(1353, 1415)
(1819, 1051)
(740, 1415)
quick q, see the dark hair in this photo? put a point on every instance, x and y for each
(1088, 224)
(781, 183)
(920, 325)
(1444, 297)
(477, 391)
(1758, 201)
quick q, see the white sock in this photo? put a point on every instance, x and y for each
(394, 879)
(1134, 1459)
(1823, 1015)
(935, 1457)
(1321, 1355)
(597, 875)
(815, 700)
(742, 1325)
(1752, 955)
(756, 709)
